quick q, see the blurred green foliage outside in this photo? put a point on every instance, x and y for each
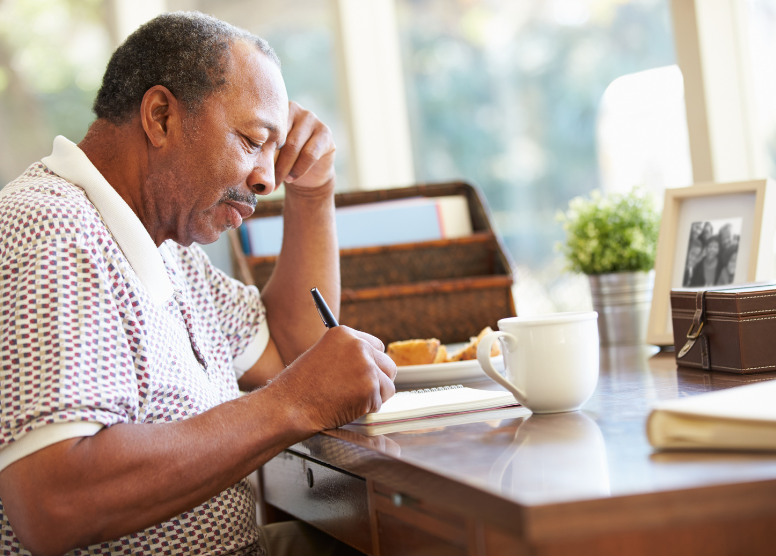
(506, 93)
(52, 57)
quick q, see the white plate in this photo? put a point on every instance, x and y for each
(443, 374)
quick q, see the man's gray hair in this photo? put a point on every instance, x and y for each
(187, 52)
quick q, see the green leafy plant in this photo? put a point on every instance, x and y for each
(610, 233)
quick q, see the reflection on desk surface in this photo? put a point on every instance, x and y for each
(599, 452)
(528, 468)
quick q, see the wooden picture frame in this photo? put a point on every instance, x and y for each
(754, 202)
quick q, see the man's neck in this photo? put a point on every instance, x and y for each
(119, 153)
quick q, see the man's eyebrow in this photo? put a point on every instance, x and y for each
(258, 122)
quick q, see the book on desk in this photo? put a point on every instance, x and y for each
(740, 418)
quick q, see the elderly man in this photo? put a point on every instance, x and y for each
(123, 348)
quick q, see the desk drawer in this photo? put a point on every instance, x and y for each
(407, 526)
(333, 501)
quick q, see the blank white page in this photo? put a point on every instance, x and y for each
(436, 401)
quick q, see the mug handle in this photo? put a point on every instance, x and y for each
(483, 356)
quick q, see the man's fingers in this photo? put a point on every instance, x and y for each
(300, 131)
(317, 147)
(374, 342)
(387, 387)
(308, 142)
(386, 365)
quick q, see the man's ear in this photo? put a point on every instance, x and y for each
(160, 115)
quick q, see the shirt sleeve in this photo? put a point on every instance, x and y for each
(65, 360)
(241, 314)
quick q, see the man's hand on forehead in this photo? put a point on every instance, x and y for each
(307, 157)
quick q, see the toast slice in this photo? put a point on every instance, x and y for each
(469, 351)
(414, 352)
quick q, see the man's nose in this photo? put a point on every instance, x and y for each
(262, 179)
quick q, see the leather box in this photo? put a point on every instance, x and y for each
(726, 329)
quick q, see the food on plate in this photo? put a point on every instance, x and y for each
(414, 352)
(469, 351)
(424, 352)
(441, 355)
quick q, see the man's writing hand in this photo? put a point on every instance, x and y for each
(307, 157)
(342, 377)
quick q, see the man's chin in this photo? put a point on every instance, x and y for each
(202, 237)
(207, 239)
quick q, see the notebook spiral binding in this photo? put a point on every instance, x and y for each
(428, 390)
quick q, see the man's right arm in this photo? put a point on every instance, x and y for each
(131, 476)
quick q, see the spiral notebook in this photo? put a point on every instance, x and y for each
(430, 407)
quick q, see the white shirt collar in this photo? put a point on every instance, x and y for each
(70, 163)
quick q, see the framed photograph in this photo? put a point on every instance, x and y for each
(711, 235)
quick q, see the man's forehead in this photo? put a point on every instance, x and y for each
(255, 86)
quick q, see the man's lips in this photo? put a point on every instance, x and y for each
(239, 212)
(244, 209)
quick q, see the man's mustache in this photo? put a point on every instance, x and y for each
(233, 194)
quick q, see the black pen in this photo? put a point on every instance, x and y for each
(326, 315)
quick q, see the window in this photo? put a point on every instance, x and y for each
(52, 57)
(762, 50)
(507, 94)
(642, 133)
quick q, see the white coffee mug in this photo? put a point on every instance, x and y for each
(551, 360)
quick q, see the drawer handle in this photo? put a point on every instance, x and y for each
(400, 500)
(310, 478)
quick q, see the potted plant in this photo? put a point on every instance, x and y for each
(613, 239)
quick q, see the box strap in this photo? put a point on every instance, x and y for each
(696, 332)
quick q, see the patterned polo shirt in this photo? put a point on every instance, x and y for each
(98, 326)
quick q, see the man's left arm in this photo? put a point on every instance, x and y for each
(309, 256)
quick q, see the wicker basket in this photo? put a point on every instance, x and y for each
(448, 289)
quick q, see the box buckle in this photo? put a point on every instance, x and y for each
(690, 335)
(698, 320)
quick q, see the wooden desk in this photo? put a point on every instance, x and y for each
(576, 483)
